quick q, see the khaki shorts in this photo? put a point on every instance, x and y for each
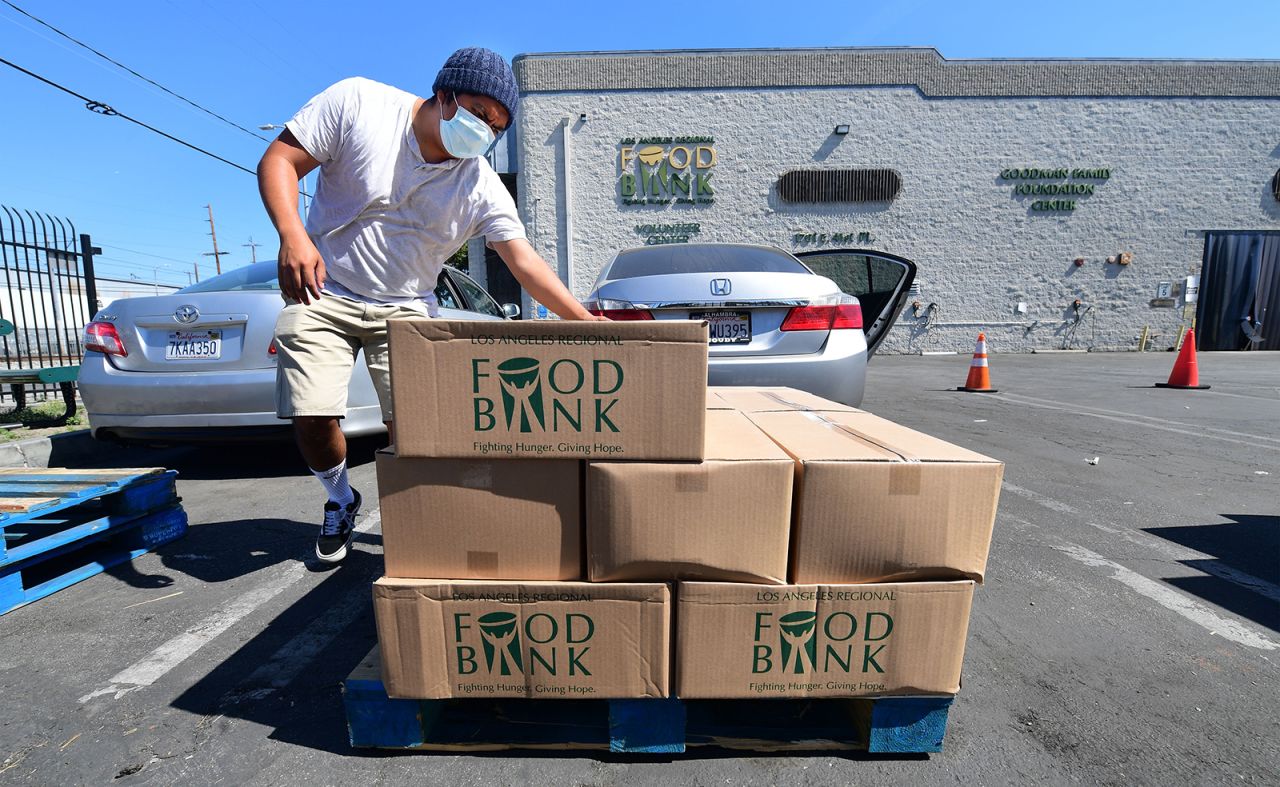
(316, 349)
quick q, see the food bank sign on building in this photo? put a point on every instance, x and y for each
(666, 170)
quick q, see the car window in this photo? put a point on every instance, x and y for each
(697, 258)
(850, 272)
(258, 276)
(444, 295)
(480, 300)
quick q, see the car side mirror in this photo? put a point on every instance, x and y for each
(511, 311)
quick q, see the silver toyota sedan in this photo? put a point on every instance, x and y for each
(200, 364)
(809, 321)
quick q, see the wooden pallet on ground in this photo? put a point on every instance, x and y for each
(882, 725)
(60, 526)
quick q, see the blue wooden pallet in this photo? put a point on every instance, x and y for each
(58, 527)
(882, 725)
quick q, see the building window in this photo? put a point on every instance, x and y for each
(839, 185)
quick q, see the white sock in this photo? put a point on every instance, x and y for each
(336, 483)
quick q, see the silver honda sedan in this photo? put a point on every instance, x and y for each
(200, 364)
(775, 319)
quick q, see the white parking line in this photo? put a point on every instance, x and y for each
(295, 655)
(1171, 599)
(1147, 422)
(1207, 564)
(1204, 562)
(163, 659)
(1048, 502)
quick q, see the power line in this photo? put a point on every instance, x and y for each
(145, 254)
(131, 71)
(105, 109)
(119, 263)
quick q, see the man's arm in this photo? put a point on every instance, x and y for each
(536, 277)
(301, 271)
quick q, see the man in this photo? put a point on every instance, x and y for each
(403, 185)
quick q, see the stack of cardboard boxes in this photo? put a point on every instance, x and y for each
(570, 512)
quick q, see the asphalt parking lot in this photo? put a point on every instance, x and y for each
(1128, 632)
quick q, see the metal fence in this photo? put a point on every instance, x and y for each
(47, 292)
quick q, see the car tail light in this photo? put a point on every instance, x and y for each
(623, 315)
(271, 348)
(823, 318)
(103, 337)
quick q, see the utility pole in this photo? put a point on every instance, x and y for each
(217, 259)
(196, 267)
(253, 248)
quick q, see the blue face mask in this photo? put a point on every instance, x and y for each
(465, 135)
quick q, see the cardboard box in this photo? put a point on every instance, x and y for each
(556, 640)
(878, 502)
(726, 518)
(770, 399)
(481, 518)
(820, 640)
(715, 402)
(554, 389)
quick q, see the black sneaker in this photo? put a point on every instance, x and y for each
(336, 530)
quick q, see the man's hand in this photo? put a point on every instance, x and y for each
(301, 268)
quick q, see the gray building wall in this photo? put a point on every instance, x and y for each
(1178, 166)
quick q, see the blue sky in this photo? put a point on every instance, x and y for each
(142, 197)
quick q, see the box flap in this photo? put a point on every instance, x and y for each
(856, 437)
(643, 331)
(766, 399)
(732, 437)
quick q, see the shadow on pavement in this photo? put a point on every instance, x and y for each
(1248, 545)
(220, 551)
(305, 708)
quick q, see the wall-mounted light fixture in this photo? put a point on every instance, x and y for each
(582, 118)
(842, 129)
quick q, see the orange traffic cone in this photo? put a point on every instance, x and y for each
(1185, 374)
(979, 377)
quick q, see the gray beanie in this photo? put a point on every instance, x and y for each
(482, 72)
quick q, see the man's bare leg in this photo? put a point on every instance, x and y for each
(324, 448)
(321, 441)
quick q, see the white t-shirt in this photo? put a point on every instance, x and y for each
(383, 219)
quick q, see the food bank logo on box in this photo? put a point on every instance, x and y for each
(573, 397)
(544, 645)
(501, 639)
(802, 643)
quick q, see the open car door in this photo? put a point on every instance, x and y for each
(881, 283)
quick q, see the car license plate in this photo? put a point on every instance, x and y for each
(727, 327)
(194, 346)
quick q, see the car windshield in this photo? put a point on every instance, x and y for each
(258, 276)
(697, 258)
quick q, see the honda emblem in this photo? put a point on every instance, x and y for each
(721, 287)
